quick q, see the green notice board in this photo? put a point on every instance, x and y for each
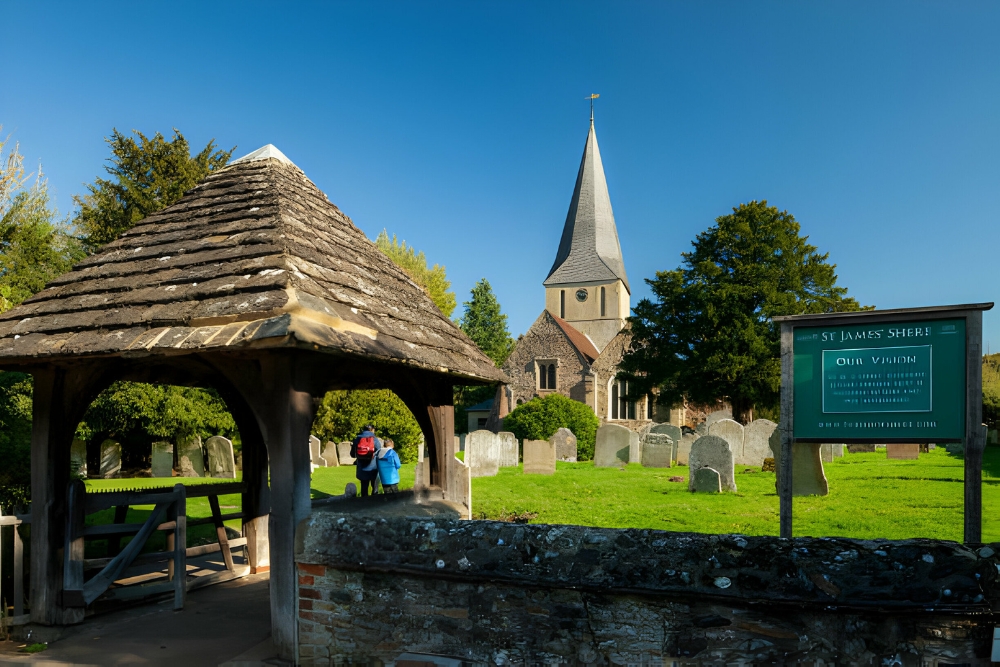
(902, 382)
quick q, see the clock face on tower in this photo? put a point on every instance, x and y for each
(581, 294)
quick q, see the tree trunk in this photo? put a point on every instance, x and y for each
(742, 409)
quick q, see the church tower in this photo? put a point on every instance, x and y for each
(587, 285)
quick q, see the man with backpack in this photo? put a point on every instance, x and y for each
(364, 449)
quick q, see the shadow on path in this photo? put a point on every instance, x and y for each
(217, 623)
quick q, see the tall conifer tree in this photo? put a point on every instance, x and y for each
(486, 325)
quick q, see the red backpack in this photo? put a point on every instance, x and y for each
(366, 448)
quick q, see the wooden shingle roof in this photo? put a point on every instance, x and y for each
(253, 256)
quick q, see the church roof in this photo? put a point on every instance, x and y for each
(580, 340)
(589, 249)
(254, 256)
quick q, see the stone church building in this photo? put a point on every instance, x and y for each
(577, 342)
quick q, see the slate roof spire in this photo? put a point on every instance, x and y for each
(589, 249)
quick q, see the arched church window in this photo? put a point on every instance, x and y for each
(562, 303)
(621, 407)
(552, 376)
(542, 377)
(603, 302)
(649, 406)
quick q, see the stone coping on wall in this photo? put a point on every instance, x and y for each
(914, 576)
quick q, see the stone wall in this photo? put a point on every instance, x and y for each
(545, 339)
(488, 592)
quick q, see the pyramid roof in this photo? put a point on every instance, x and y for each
(254, 256)
(589, 249)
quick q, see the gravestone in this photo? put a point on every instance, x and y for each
(190, 449)
(634, 447)
(861, 449)
(755, 437)
(458, 444)
(683, 452)
(509, 456)
(482, 453)
(706, 480)
(78, 459)
(657, 451)
(539, 457)
(111, 459)
(314, 453)
(711, 451)
(808, 478)
(611, 448)
(902, 451)
(161, 459)
(716, 416)
(330, 455)
(668, 429)
(701, 429)
(565, 443)
(344, 454)
(732, 432)
(826, 452)
(221, 463)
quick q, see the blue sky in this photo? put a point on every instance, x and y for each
(459, 126)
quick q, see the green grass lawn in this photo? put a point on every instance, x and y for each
(870, 496)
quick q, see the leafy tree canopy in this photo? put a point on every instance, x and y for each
(147, 174)
(539, 418)
(342, 414)
(431, 279)
(15, 439)
(707, 334)
(486, 325)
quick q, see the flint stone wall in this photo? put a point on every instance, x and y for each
(497, 593)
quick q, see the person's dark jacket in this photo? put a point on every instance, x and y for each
(365, 471)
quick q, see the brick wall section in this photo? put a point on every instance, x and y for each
(490, 592)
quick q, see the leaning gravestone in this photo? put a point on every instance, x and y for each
(315, 457)
(344, 453)
(634, 447)
(221, 463)
(508, 450)
(78, 459)
(539, 457)
(657, 451)
(111, 459)
(808, 478)
(732, 432)
(711, 451)
(706, 480)
(683, 452)
(611, 448)
(565, 443)
(755, 437)
(330, 455)
(161, 459)
(190, 448)
(482, 453)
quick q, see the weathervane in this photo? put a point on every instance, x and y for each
(593, 96)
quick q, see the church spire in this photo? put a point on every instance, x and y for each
(589, 249)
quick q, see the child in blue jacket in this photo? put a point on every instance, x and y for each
(388, 467)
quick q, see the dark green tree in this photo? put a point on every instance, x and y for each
(708, 333)
(539, 418)
(147, 174)
(342, 414)
(15, 439)
(486, 325)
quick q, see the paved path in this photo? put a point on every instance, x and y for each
(217, 624)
